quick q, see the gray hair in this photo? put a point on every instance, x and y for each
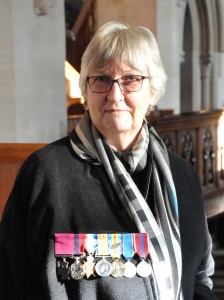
(133, 46)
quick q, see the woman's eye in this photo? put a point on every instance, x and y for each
(103, 79)
(130, 78)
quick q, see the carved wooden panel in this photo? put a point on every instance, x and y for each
(208, 154)
(221, 167)
(169, 139)
(194, 137)
(187, 146)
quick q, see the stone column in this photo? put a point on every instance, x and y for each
(206, 61)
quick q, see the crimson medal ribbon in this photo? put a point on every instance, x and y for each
(141, 244)
(68, 244)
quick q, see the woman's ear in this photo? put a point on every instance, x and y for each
(86, 105)
(151, 108)
(153, 95)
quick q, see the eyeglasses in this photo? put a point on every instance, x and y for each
(103, 84)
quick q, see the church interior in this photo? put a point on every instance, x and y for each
(41, 45)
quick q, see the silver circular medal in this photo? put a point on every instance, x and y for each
(103, 268)
(144, 269)
(130, 269)
(76, 270)
(118, 269)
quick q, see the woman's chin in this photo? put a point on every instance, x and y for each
(118, 126)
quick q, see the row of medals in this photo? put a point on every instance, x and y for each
(103, 267)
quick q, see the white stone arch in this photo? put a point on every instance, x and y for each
(169, 36)
(216, 8)
(207, 17)
(203, 15)
(208, 37)
(186, 59)
(220, 21)
(196, 47)
(218, 69)
(196, 81)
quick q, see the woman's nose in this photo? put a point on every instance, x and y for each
(115, 94)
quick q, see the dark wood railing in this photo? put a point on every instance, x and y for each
(198, 138)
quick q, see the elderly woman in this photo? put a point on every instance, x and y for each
(108, 213)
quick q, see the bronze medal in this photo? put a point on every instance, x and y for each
(118, 269)
(88, 266)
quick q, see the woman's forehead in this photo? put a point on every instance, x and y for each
(119, 67)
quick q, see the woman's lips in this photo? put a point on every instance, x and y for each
(116, 110)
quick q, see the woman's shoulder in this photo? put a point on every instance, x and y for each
(57, 154)
(182, 170)
(57, 147)
(185, 176)
(177, 162)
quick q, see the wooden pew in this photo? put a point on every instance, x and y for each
(198, 138)
(12, 155)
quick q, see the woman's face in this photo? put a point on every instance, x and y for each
(117, 112)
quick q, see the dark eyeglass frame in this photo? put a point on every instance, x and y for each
(117, 81)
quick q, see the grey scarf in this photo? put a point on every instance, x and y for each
(164, 236)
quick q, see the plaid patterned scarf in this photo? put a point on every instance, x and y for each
(164, 236)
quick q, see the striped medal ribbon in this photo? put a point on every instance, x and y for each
(141, 244)
(76, 269)
(128, 253)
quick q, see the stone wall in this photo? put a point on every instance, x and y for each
(32, 83)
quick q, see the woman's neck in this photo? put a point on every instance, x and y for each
(121, 141)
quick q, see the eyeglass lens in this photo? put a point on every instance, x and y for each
(103, 84)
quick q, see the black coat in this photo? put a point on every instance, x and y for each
(57, 192)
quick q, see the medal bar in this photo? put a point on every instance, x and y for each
(78, 255)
